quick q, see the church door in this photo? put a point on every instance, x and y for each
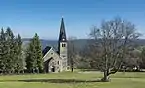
(53, 69)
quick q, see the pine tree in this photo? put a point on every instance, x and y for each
(10, 52)
(2, 51)
(34, 55)
(19, 59)
(30, 57)
(38, 53)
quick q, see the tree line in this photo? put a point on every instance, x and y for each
(10, 52)
(14, 59)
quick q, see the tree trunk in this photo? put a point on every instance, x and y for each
(106, 77)
(72, 65)
(38, 70)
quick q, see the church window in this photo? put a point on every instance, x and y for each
(63, 45)
(58, 62)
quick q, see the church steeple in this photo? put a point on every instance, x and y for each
(62, 34)
(62, 45)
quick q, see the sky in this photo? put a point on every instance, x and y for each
(27, 17)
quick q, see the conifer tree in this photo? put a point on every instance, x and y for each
(10, 52)
(34, 55)
(38, 53)
(2, 50)
(30, 57)
(19, 59)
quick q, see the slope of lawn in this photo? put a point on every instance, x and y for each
(73, 80)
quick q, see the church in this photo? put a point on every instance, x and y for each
(56, 61)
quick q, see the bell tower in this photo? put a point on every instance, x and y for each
(62, 45)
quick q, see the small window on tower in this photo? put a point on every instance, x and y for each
(63, 45)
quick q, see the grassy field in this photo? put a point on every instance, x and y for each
(73, 80)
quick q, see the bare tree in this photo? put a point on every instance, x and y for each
(71, 52)
(110, 44)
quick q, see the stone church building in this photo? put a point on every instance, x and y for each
(56, 61)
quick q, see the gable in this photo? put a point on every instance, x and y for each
(51, 54)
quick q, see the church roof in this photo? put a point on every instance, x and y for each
(62, 34)
(46, 52)
(46, 49)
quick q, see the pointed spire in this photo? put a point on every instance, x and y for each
(62, 34)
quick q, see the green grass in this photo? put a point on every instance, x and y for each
(119, 80)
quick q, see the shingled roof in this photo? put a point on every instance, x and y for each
(47, 48)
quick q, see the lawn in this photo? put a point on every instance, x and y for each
(73, 80)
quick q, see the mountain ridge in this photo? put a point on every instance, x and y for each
(79, 43)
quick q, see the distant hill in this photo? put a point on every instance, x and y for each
(79, 43)
(44, 42)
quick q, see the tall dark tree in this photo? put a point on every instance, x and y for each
(34, 55)
(18, 53)
(10, 53)
(30, 57)
(38, 53)
(2, 51)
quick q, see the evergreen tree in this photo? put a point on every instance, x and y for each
(30, 57)
(34, 55)
(2, 51)
(10, 51)
(38, 53)
(19, 59)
